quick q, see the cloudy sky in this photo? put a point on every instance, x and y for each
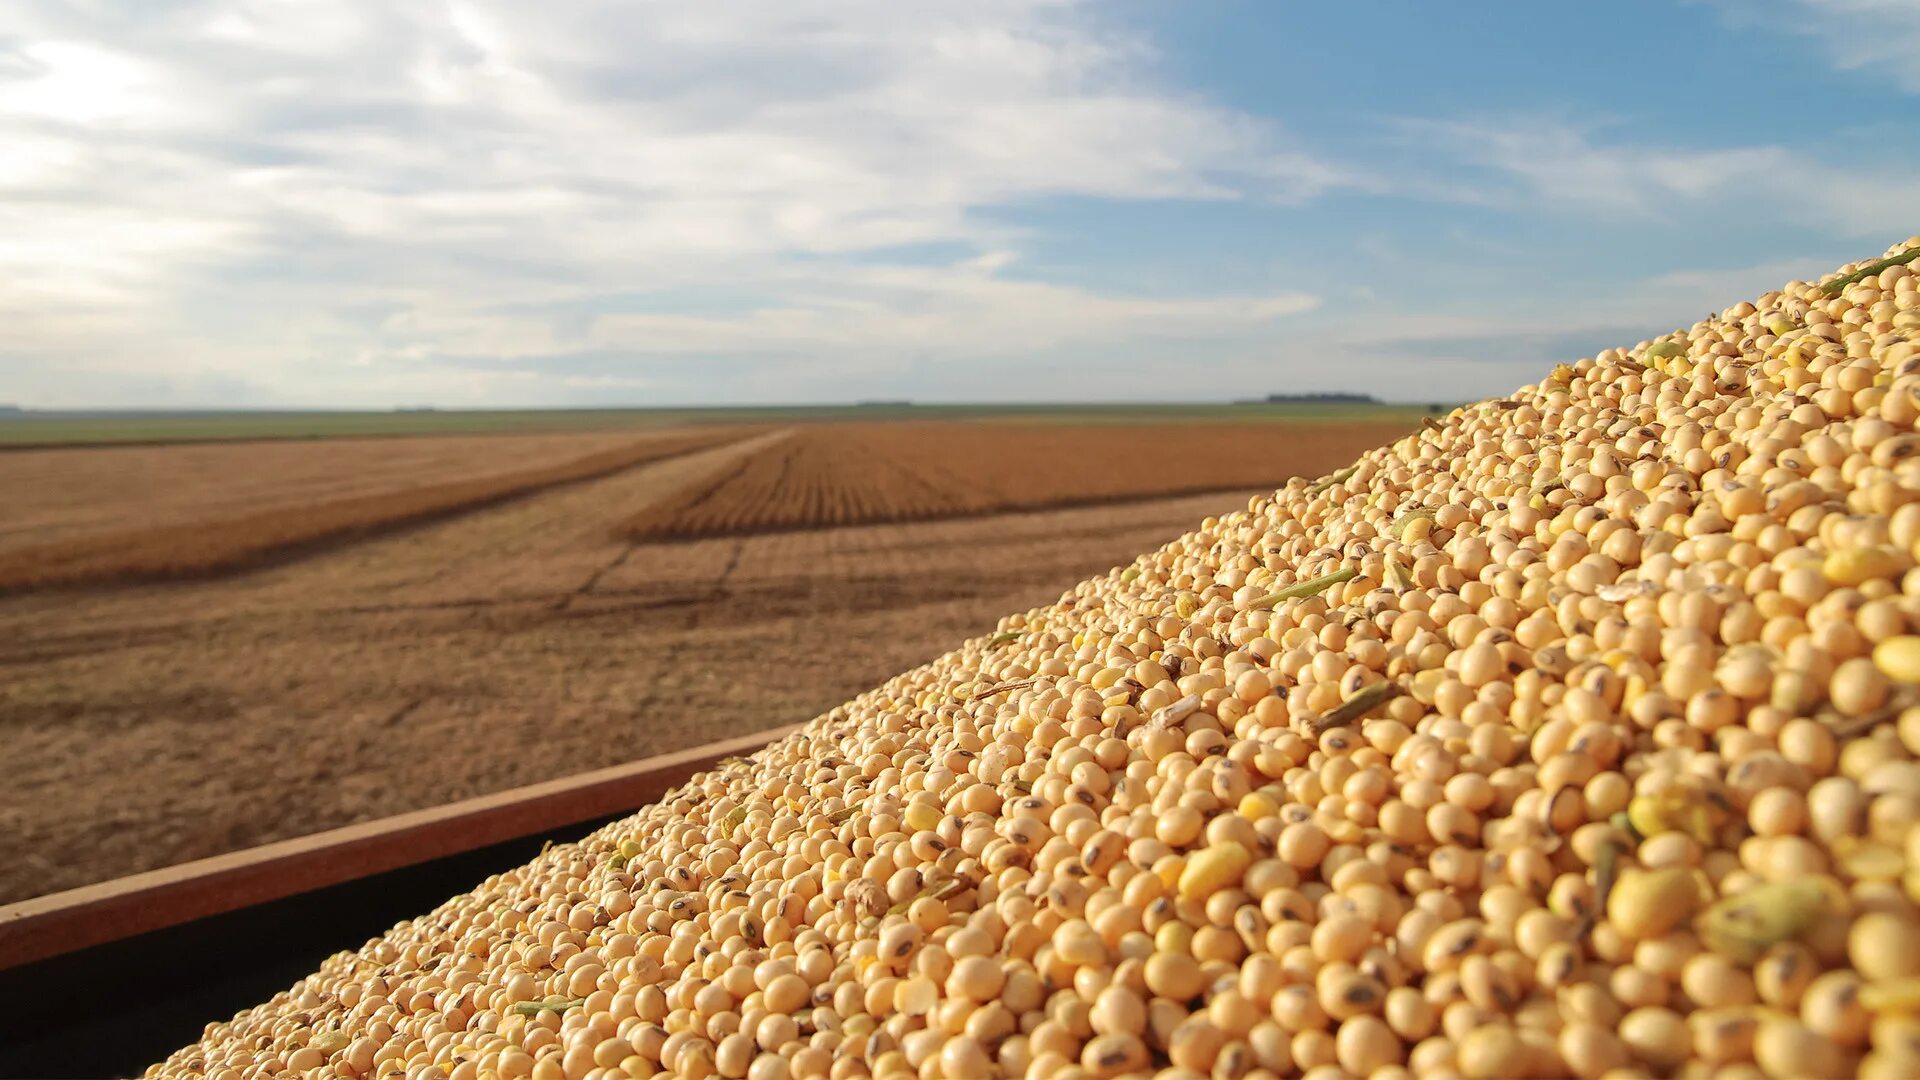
(499, 203)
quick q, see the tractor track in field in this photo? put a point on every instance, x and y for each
(628, 545)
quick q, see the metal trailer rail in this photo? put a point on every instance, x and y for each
(105, 979)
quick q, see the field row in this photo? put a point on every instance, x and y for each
(128, 549)
(845, 474)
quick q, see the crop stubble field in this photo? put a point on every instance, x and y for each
(540, 632)
(843, 474)
(94, 516)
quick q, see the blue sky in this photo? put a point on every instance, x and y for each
(368, 203)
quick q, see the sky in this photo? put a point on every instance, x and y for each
(490, 203)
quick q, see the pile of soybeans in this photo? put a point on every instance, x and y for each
(1574, 734)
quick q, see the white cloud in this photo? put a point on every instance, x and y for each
(1560, 165)
(865, 319)
(1617, 315)
(1879, 37)
(74, 81)
(205, 187)
(935, 311)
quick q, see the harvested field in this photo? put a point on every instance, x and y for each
(100, 515)
(843, 474)
(152, 724)
(69, 494)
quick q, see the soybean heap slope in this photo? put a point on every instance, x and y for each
(1574, 734)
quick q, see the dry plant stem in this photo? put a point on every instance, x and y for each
(535, 1008)
(1401, 523)
(1360, 704)
(1309, 587)
(1872, 269)
(1398, 576)
(1860, 725)
(1176, 713)
(1606, 872)
(1004, 688)
(1339, 477)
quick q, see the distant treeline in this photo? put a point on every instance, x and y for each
(1312, 399)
